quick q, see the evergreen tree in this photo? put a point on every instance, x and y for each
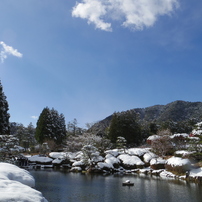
(4, 115)
(42, 126)
(126, 125)
(50, 126)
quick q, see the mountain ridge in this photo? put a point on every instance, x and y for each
(176, 111)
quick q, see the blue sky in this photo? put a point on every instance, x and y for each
(90, 58)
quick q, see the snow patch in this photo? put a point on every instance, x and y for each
(177, 161)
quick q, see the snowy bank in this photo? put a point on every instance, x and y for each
(12, 172)
(16, 185)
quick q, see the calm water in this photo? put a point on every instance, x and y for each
(59, 186)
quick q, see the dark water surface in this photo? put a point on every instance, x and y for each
(58, 186)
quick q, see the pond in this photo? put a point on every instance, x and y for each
(60, 186)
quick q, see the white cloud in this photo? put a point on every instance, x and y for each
(92, 10)
(34, 117)
(135, 14)
(8, 50)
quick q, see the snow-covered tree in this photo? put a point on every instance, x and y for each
(121, 143)
(4, 115)
(90, 154)
(8, 148)
(50, 127)
(25, 135)
(76, 142)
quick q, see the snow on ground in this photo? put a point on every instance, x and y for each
(15, 185)
(196, 172)
(184, 135)
(166, 174)
(183, 152)
(198, 130)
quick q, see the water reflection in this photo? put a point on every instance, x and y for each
(59, 186)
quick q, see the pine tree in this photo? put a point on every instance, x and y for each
(43, 126)
(50, 126)
(4, 115)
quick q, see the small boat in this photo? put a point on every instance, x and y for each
(127, 183)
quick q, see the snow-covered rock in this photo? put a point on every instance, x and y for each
(113, 152)
(62, 155)
(56, 155)
(78, 156)
(148, 156)
(40, 159)
(167, 174)
(153, 137)
(177, 161)
(76, 169)
(104, 166)
(178, 164)
(78, 163)
(57, 161)
(157, 163)
(111, 160)
(137, 151)
(97, 158)
(130, 162)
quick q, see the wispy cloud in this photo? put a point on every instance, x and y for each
(134, 14)
(8, 50)
(34, 117)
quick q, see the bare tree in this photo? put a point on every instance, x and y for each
(163, 144)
